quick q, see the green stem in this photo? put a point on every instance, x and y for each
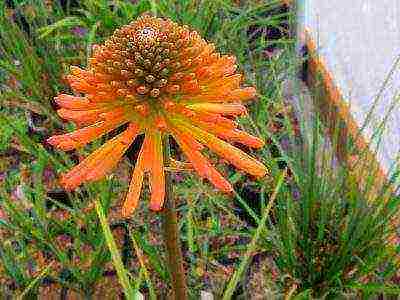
(171, 235)
(122, 273)
(251, 249)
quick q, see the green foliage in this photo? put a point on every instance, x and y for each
(326, 242)
(50, 37)
(7, 133)
(116, 257)
(331, 237)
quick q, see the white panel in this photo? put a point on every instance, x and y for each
(360, 41)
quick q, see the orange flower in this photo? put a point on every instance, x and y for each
(157, 78)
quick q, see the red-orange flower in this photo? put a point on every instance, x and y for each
(157, 78)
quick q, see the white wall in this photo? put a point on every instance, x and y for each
(360, 41)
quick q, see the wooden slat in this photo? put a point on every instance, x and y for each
(336, 115)
(342, 127)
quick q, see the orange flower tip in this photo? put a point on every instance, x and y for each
(142, 90)
(62, 143)
(190, 76)
(142, 109)
(160, 123)
(92, 60)
(261, 173)
(204, 72)
(76, 86)
(133, 128)
(67, 184)
(53, 140)
(219, 108)
(177, 76)
(63, 113)
(156, 206)
(122, 92)
(124, 73)
(75, 70)
(161, 83)
(226, 188)
(188, 113)
(190, 86)
(130, 97)
(231, 59)
(100, 95)
(229, 190)
(169, 105)
(131, 83)
(173, 88)
(104, 116)
(257, 143)
(250, 92)
(61, 97)
(126, 211)
(154, 93)
(72, 78)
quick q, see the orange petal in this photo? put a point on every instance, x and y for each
(102, 97)
(76, 71)
(237, 157)
(135, 187)
(203, 167)
(221, 95)
(189, 87)
(219, 108)
(229, 134)
(213, 119)
(72, 102)
(86, 75)
(148, 152)
(187, 139)
(217, 67)
(81, 117)
(242, 94)
(76, 103)
(157, 178)
(83, 136)
(97, 164)
(80, 85)
(116, 113)
(224, 84)
(246, 139)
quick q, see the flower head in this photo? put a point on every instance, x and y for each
(156, 78)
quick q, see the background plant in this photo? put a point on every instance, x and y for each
(53, 243)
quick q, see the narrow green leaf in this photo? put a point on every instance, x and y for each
(115, 255)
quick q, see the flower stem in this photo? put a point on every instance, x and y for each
(171, 235)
